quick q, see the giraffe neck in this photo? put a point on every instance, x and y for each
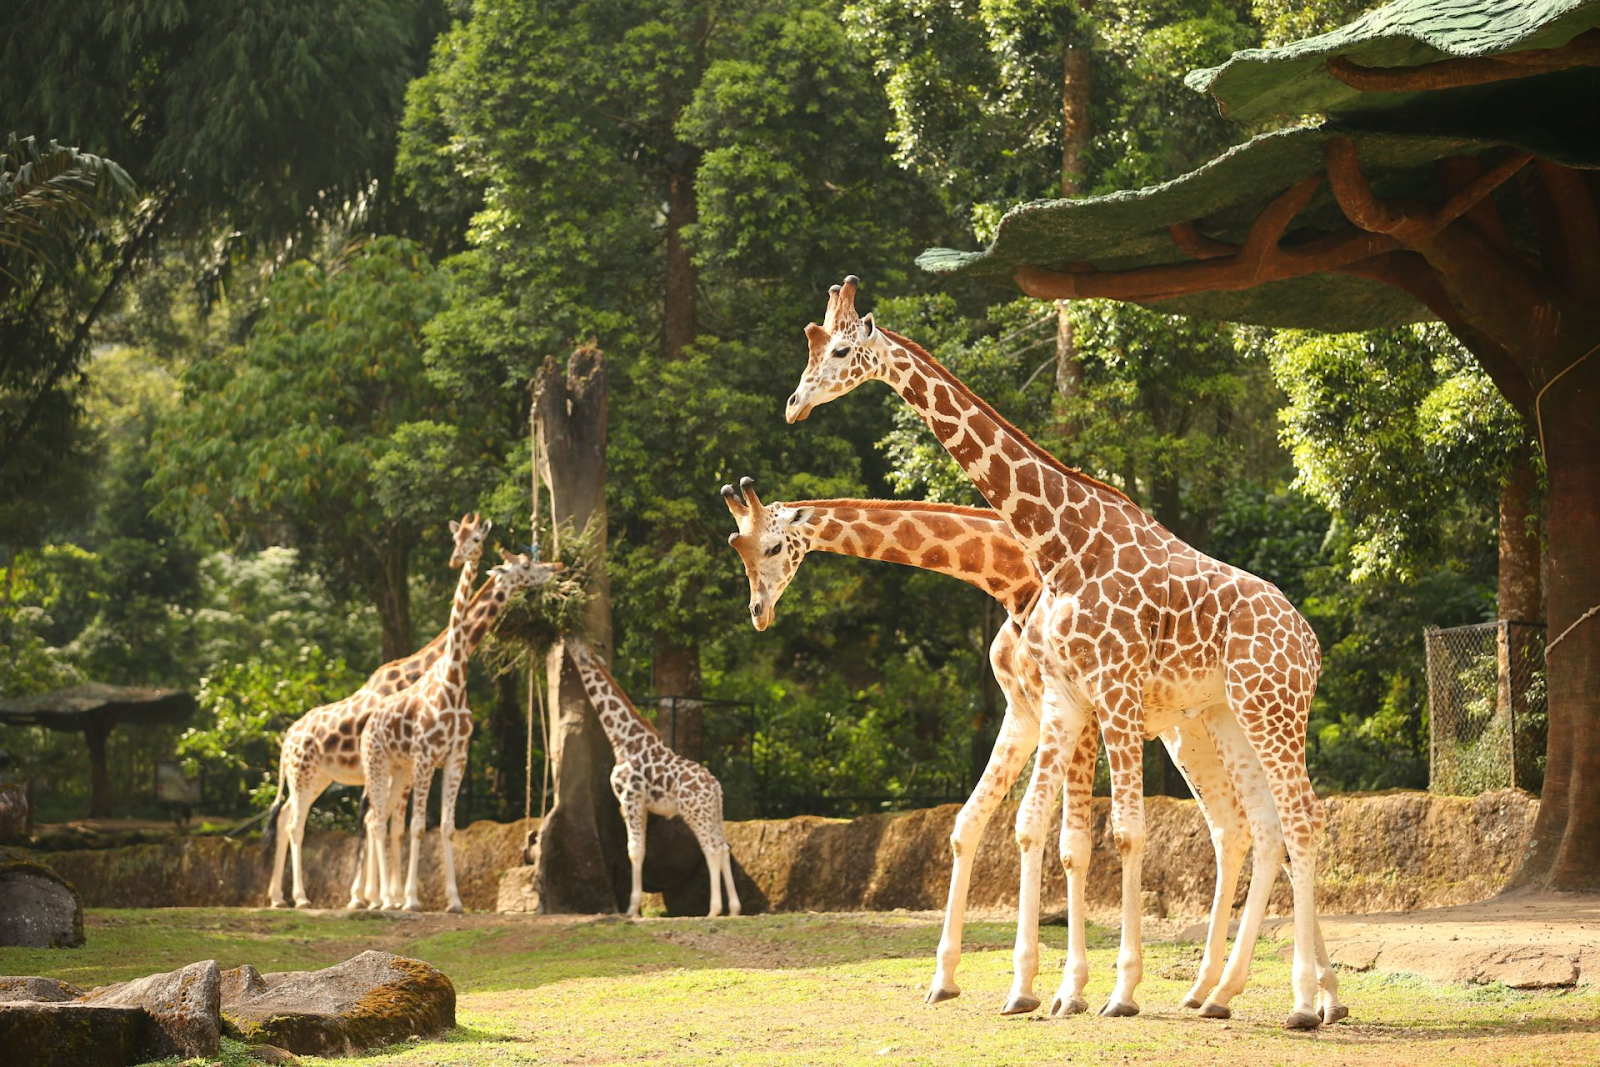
(403, 673)
(1030, 489)
(455, 650)
(625, 728)
(972, 544)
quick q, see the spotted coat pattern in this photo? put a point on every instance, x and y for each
(974, 545)
(323, 745)
(425, 728)
(650, 778)
(1135, 629)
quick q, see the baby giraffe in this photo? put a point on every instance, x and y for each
(650, 778)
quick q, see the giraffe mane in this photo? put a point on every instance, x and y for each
(622, 695)
(966, 511)
(1073, 473)
(483, 591)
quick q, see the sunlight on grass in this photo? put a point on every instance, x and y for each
(786, 990)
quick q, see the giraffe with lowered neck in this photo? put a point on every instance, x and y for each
(427, 727)
(322, 746)
(1138, 630)
(651, 779)
(972, 544)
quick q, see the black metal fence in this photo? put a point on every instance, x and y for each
(1487, 710)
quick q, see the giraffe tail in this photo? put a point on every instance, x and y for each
(269, 833)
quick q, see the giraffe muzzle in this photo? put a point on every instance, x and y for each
(797, 409)
(760, 617)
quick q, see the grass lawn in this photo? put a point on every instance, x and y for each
(822, 989)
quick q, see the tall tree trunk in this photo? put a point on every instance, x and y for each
(1518, 595)
(582, 862)
(509, 730)
(1567, 831)
(394, 600)
(675, 656)
(1074, 143)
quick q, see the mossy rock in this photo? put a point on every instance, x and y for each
(38, 907)
(371, 1000)
(70, 1035)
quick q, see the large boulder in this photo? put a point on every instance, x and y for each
(42, 1034)
(373, 999)
(35, 990)
(183, 1006)
(38, 908)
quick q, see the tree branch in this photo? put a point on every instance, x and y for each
(1581, 51)
(1576, 264)
(1407, 221)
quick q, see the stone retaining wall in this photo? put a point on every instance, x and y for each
(1384, 852)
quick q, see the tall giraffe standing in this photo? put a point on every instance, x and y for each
(1141, 627)
(650, 778)
(321, 746)
(417, 731)
(972, 544)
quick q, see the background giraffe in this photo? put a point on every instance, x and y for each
(974, 545)
(412, 733)
(650, 778)
(1140, 628)
(323, 745)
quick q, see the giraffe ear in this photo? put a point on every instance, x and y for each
(455, 527)
(488, 524)
(867, 326)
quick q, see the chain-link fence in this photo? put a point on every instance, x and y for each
(1486, 707)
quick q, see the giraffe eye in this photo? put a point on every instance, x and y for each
(841, 350)
(774, 549)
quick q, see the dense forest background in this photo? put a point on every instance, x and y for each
(244, 391)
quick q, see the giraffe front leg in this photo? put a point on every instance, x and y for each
(453, 772)
(634, 819)
(1125, 756)
(1017, 738)
(390, 881)
(1059, 732)
(421, 783)
(1077, 798)
(297, 837)
(377, 821)
(734, 907)
(280, 849)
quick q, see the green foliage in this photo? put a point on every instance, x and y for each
(1399, 432)
(536, 619)
(244, 708)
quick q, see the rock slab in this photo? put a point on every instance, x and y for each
(370, 1000)
(183, 1008)
(38, 908)
(32, 989)
(47, 1034)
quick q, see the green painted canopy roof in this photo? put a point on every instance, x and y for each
(1259, 84)
(1555, 116)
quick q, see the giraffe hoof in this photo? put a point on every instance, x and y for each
(354, 905)
(1209, 1010)
(939, 994)
(1191, 1002)
(1021, 1004)
(277, 903)
(1302, 1020)
(302, 902)
(413, 906)
(456, 909)
(1070, 1006)
(1333, 1014)
(1119, 1009)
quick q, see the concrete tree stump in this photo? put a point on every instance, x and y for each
(38, 908)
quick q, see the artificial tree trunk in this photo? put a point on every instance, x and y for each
(96, 732)
(679, 715)
(582, 857)
(509, 729)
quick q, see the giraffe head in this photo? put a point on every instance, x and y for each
(470, 534)
(522, 571)
(845, 351)
(771, 541)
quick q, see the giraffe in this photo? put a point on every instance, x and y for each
(321, 746)
(972, 544)
(1138, 629)
(650, 778)
(412, 733)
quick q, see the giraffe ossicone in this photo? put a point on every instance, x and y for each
(1137, 627)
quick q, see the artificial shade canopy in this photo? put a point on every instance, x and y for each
(66, 709)
(1282, 83)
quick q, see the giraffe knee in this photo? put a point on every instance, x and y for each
(1128, 837)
